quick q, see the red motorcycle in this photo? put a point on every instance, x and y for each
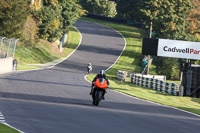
(100, 87)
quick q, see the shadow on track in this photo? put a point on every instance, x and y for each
(46, 82)
(127, 108)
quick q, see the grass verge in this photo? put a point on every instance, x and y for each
(6, 129)
(131, 61)
(45, 52)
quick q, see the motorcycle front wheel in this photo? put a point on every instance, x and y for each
(97, 98)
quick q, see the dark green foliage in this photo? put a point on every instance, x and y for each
(49, 26)
(13, 14)
(101, 7)
(168, 66)
(125, 8)
(71, 11)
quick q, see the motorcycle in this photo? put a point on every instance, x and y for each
(89, 68)
(100, 87)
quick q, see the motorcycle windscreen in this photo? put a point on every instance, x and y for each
(101, 83)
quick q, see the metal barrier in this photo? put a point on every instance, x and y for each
(155, 82)
(121, 75)
(7, 47)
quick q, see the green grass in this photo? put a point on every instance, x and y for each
(6, 129)
(26, 67)
(44, 52)
(131, 61)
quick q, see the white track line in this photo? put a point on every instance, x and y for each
(2, 120)
(13, 127)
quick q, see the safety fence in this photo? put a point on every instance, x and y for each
(7, 47)
(155, 82)
(121, 75)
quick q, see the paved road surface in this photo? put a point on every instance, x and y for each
(57, 100)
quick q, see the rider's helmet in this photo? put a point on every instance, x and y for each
(102, 72)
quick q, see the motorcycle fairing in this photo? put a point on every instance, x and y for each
(101, 83)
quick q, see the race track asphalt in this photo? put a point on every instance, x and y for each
(57, 100)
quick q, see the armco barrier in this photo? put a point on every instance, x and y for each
(155, 82)
(121, 75)
(6, 65)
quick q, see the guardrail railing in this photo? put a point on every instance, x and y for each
(155, 82)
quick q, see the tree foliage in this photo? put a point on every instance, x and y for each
(193, 21)
(101, 7)
(125, 7)
(168, 67)
(30, 33)
(55, 16)
(49, 22)
(70, 12)
(13, 14)
(168, 16)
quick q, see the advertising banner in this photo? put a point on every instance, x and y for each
(178, 49)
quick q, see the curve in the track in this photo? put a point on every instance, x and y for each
(57, 99)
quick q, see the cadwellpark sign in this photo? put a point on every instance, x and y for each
(187, 50)
(178, 49)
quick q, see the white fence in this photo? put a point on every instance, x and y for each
(150, 81)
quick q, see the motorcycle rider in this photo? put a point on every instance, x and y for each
(102, 74)
(89, 67)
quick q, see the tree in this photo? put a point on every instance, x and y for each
(101, 7)
(55, 16)
(49, 26)
(71, 11)
(30, 34)
(13, 14)
(168, 16)
(125, 8)
(193, 21)
(168, 67)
